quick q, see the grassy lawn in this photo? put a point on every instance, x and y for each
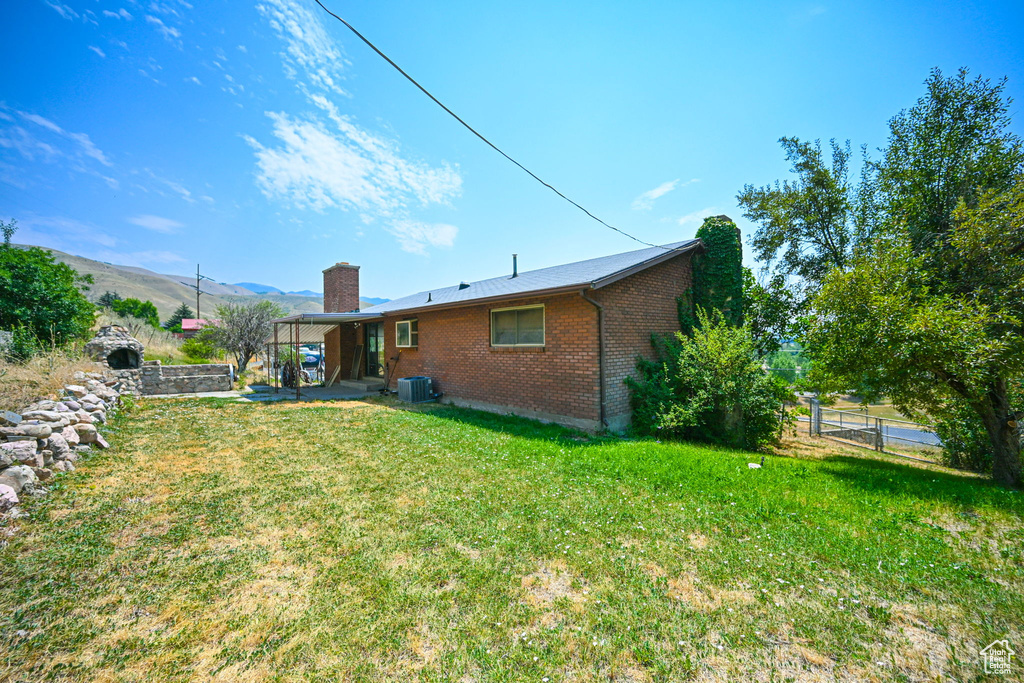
(359, 541)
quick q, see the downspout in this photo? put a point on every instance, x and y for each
(600, 352)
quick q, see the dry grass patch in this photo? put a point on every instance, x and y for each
(553, 582)
(41, 377)
(349, 541)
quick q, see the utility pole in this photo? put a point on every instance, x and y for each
(199, 279)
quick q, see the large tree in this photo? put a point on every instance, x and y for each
(243, 328)
(40, 296)
(919, 300)
(809, 225)
(136, 308)
(173, 324)
(886, 323)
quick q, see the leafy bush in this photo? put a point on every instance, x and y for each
(198, 349)
(21, 346)
(41, 297)
(708, 387)
(143, 310)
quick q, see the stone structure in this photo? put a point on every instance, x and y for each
(49, 436)
(185, 379)
(114, 347)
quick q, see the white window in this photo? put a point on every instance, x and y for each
(518, 326)
(407, 334)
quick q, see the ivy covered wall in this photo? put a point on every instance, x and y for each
(717, 275)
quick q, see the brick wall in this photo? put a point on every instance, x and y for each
(339, 348)
(341, 288)
(558, 380)
(635, 307)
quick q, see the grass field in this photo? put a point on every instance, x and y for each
(360, 541)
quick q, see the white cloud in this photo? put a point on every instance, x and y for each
(697, 216)
(142, 258)
(645, 202)
(242, 48)
(316, 168)
(119, 14)
(31, 146)
(63, 10)
(307, 45)
(193, 79)
(98, 51)
(414, 237)
(170, 34)
(58, 232)
(175, 187)
(156, 223)
(320, 163)
(28, 146)
(85, 239)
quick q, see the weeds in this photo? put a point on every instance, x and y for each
(42, 376)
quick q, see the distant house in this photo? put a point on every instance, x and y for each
(554, 344)
(190, 326)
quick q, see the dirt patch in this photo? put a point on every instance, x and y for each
(655, 571)
(705, 597)
(698, 541)
(424, 644)
(915, 645)
(471, 553)
(552, 582)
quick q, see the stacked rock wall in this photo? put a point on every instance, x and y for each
(184, 379)
(49, 437)
(115, 348)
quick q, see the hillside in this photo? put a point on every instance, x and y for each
(168, 292)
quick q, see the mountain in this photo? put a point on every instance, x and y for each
(259, 289)
(168, 292)
(364, 301)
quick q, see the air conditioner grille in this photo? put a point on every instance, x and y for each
(414, 389)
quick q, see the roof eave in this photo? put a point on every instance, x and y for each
(553, 291)
(695, 245)
(327, 318)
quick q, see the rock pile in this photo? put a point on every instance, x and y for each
(49, 437)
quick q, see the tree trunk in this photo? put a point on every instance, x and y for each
(996, 414)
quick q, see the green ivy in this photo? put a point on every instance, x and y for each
(717, 275)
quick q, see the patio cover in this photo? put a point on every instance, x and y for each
(313, 326)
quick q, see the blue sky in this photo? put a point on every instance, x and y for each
(265, 142)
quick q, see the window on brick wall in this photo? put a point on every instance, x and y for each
(407, 334)
(522, 326)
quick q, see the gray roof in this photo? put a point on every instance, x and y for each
(590, 274)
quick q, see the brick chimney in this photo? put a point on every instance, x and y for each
(341, 288)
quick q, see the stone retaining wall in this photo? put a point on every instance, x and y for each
(50, 436)
(185, 379)
(214, 369)
(154, 379)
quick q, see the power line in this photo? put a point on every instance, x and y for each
(476, 133)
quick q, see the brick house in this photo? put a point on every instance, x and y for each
(554, 344)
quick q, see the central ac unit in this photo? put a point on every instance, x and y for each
(414, 389)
